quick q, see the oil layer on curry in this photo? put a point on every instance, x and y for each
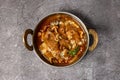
(61, 39)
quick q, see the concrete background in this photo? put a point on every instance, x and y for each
(17, 63)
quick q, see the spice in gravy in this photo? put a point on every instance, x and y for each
(61, 39)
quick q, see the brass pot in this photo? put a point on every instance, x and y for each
(34, 34)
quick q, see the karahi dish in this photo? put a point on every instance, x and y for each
(61, 39)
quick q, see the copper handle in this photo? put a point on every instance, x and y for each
(28, 31)
(95, 39)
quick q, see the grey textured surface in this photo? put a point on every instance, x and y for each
(17, 63)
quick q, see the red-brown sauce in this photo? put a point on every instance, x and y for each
(61, 39)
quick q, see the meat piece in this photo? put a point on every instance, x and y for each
(72, 34)
(53, 45)
(64, 43)
(48, 55)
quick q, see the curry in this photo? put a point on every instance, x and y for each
(61, 39)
